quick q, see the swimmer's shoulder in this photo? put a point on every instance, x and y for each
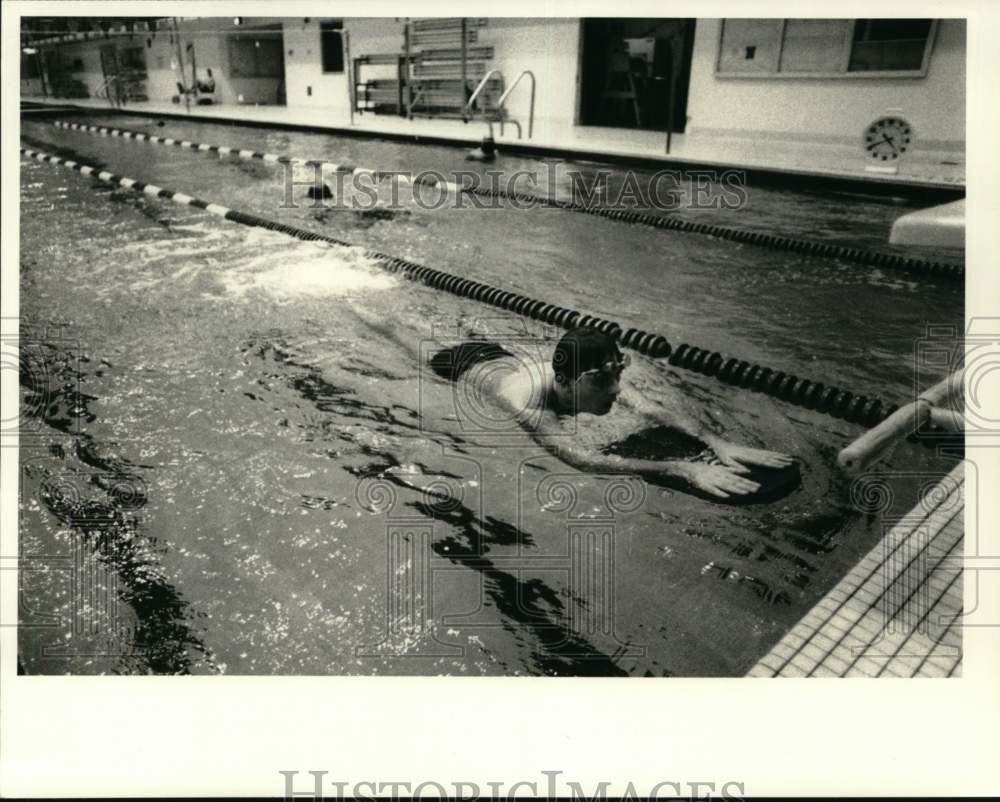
(523, 387)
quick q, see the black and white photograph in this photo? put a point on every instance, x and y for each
(499, 346)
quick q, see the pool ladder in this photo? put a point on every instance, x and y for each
(111, 84)
(499, 112)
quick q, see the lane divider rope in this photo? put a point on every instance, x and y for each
(818, 396)
(247, 154)
(861, 256)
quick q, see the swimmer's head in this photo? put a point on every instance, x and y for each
(587, 366)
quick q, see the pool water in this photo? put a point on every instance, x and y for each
(235, 431)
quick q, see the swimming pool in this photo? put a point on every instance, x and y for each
(303, 498)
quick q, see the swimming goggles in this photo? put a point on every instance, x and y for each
(609, 372)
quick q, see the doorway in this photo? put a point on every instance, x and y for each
(635, 73)
(257, 65)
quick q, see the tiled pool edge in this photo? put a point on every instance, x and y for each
(895, 612)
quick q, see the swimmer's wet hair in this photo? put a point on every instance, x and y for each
(583, 348)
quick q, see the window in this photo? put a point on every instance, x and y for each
(828, 48)
(889, 44)
(331, 41)
(749, 46)
(814, 45)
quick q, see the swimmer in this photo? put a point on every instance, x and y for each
(486, 152)
(585, 377)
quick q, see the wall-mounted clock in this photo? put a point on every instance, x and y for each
(888, 138)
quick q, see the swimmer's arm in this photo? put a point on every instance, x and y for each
(732, 454)
(675, 419)
(548, 432)
(715, 480)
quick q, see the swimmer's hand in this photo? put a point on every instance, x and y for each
(717, 480)
(737, 457)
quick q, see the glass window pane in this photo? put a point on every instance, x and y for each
(885, 30)
(814, 45)
(749, 45)
(889, 44)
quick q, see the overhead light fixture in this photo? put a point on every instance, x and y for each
(28, 51)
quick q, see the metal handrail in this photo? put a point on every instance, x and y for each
(936, 405)
(103, 86)
(467, 108)
(479, 89)
(531, 108)
(106, 87)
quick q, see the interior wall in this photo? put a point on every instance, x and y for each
(307, 84)
(834, 109)
(549, 49)
(731, 118)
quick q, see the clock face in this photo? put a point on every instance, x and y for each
(888, 138)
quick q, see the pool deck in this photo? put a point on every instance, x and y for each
(895, 614)
(766, 156)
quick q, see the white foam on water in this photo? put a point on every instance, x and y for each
(199, 239)
(305, 270)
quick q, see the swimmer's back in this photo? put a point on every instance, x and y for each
(452, 363)
(517, 380)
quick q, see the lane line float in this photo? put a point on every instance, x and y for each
(861, 256)
(788, 387)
